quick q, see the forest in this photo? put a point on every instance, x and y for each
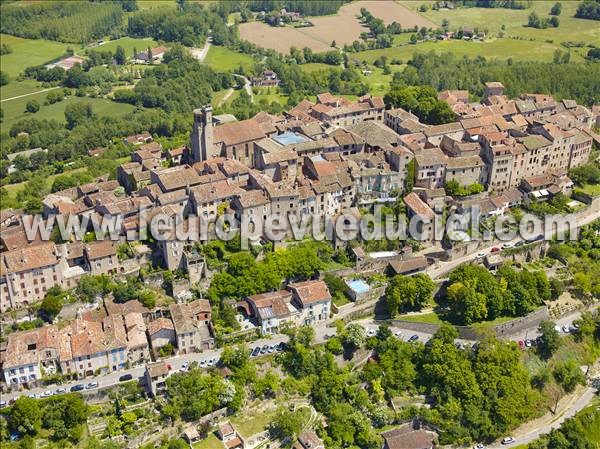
(447, 71)
(189, 26)
(77, 22)
(588, 9)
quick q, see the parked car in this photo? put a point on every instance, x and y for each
(479, 446)
(519, 243)
(521, 344)
(264, 349)
(77, 387)
(92, 385)
(480, 255)
(2, 404)
(60, 390)
(528, 343)
(413, 338)
(398, 334)
(371, 332)
(33, 396)
(566, 329)
(255, 352)
(508, 440)
(46, 394)
(494, 249)
(271, 349)
(281, 346)
(125, 377)
(507, 245)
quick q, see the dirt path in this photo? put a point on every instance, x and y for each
(226, 96)
(30, 93)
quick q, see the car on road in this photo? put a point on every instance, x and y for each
(125, 377)
(60, 390)
(479, 446)
(508, 440)
(566, 329)
(92, 385)
(494, 249)
(46, 394)
(77, 387)
(413, 338)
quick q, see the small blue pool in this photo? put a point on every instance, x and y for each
(358, 286)
(289, 138)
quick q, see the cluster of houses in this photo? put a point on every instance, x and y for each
(99, 341)
(322, 158)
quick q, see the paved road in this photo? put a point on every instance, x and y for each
(577, 406)
(439, 269)
(111, 379)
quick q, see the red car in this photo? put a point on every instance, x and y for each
(494, 249)
(521, 344)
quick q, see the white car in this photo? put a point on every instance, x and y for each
(92, 385)
(371, 332)
(507, 245)
(46, 394)
(479, 446)
(566, 329)
(398, 334)
(508, 440)
(480, 255)
(203, 364)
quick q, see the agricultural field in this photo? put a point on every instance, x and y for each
(343, 28)
(14, 110)
(495, 48)
(29, 52)
(222, 59)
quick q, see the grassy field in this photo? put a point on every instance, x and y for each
(249, 425)
(519, 41)
(15, 88)
(497, 48)
(15, 109)
(378, 83)
(29, 52)
(514, 21)
(222, 59)
(591, 189)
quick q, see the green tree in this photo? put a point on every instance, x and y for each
(78, 113)
(354, 335)
(120, 57)
(556, 9)
(568, 375)
(32, 106)
(288, 424)
(549, 340)
(25, 416)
